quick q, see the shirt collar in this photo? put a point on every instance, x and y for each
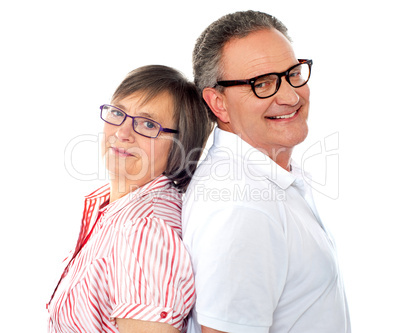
(102, 195)
(254, 162)
(98, 197)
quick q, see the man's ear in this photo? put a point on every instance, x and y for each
(216, 103)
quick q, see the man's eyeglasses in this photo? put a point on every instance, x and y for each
(141, 125)
(267, 85)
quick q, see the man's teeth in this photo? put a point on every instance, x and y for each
(285, 116)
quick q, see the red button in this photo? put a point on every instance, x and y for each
(163, 314)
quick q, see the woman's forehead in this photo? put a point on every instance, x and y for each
(155, 106)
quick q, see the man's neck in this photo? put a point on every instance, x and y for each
(280, 155)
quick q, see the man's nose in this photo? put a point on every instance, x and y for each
(287, 94)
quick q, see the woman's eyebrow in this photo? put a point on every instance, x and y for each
(145, 114)
(117, 105)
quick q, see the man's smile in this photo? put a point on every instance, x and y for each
(285, 116)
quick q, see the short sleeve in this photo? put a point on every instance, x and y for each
(150, 274)
(240, 261)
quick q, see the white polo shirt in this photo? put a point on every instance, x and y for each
(262, 259)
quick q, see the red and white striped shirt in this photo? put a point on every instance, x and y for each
(129, 262)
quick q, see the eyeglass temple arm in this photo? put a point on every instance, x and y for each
(308, 61)
(168, 130)
(233, 83)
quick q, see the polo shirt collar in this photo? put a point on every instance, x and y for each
(254, 161)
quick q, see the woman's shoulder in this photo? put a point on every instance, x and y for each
(159, 208)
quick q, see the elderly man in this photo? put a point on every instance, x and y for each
(263, 259)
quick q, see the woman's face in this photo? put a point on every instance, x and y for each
(130, 157)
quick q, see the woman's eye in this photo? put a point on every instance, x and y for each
(117, 113)
(149, 124)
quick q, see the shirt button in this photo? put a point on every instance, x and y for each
(163, 314)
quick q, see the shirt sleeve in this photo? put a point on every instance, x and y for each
(240, 261)
(151, 277)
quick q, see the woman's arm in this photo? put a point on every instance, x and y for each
(209, 330)
(152, 281)
(140, 326)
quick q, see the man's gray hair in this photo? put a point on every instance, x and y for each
(207, 52)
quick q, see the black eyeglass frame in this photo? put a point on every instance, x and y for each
(231, 83)
(161, 129)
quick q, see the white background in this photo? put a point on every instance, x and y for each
(61, 60)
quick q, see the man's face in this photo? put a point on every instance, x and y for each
(257, 121)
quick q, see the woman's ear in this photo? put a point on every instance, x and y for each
(216, 103)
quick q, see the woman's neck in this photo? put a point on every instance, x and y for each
(120, 187)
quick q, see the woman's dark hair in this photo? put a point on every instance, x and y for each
(190, 115)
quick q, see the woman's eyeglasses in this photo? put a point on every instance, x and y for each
(141, 125)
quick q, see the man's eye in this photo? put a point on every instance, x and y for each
(265, 83)
(260, 85)
(295, 73)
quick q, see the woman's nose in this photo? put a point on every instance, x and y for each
(125, 131)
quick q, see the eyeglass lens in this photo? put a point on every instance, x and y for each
(141, 125)
(267, 85)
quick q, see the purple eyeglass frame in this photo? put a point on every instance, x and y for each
(161, 129)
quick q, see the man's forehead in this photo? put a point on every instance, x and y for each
(258, 53)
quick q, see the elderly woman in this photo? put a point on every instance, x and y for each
(130, 271)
